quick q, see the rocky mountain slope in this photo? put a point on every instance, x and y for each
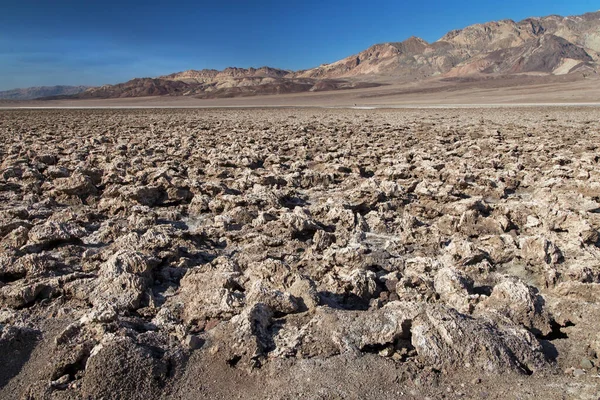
(551, 45)
(40, 91)
(208, 76)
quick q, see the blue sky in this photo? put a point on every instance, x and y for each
(89, 42)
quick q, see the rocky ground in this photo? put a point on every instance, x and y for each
(287, 253)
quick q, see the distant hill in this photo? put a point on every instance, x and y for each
(40, 91)
(545, 46)
(231, 82)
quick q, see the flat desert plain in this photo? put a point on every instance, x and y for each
(524, 90)
(284, 253)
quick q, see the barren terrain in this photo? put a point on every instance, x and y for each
(300, 253)
(438, 92)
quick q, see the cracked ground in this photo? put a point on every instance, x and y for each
(300, 253)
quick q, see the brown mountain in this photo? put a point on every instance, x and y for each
(138, 87)
(551, 45)
(228, 74)
(231, 82)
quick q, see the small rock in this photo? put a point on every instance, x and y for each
(193, 342)
(476, 381)
(387, 352)
(578, 372)
(586, 364)
(60, 382)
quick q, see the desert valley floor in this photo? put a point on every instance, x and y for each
(300, 253)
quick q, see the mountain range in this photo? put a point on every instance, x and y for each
(552, 45)
(41, 91)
